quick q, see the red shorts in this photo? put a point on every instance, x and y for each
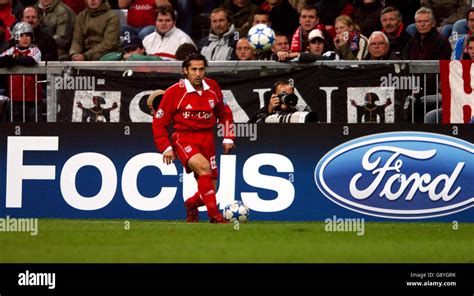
(187, 144)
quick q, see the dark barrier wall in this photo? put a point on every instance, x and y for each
(282, 172)
(336, 94)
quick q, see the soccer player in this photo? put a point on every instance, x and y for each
(194, 105)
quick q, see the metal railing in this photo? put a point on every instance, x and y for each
(427, 69)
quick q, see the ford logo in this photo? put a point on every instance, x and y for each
(400, 175)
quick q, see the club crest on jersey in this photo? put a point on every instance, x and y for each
(188, 149)
(159, 113)
(212, 103)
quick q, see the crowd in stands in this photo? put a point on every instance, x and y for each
(93, 29)
(306, 30)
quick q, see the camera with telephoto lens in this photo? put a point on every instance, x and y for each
(289, 99)
(295, 117)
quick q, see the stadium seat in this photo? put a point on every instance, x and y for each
(454, 38)
(122, 14)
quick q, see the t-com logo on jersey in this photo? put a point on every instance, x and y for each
(198, 114)
(400, 175)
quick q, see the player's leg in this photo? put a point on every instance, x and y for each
(184, 150)
(192, 204)
(202, 167)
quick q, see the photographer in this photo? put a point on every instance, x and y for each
(282, 107)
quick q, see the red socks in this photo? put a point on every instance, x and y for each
(208, 195)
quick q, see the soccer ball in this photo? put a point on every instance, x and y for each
(236, 211)
(261, 37)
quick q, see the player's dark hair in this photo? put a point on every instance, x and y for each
(194, 56)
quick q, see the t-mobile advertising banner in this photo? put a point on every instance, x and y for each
(283, 172)
(366, 93)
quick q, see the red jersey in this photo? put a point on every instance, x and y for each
(142, 13)
(191, 111)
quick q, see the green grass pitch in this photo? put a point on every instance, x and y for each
(119, 241)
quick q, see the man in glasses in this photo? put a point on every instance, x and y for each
(379, 47)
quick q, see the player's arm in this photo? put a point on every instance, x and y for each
(161, 121)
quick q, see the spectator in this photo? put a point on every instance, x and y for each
(317, 50)
(184, 50)
(283, 16)
(447, 13)
(132, 50)
(16, 8)
(241, 13)
(261, 17)
(75, 5)
(349, 43)
(165, 40)
(58, 20)
(4, 44)
(470, 48)
(10, 13)
(280, 47)
(244, 51)
(329, 10)
(188, 9)
(25, 92)
(367, 17)
(427, 43)
(407, 9)
(309, 20)
(393, 27)
(141, 16)
(46, 43)
(220, 44)
(96, 32)
(461, 48)
(379, 47)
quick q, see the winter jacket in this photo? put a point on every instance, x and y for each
(96, 32)
(433, 47)
(58, 20)
(219, 49)
(166, 46)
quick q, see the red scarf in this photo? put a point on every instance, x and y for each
(297, 40)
